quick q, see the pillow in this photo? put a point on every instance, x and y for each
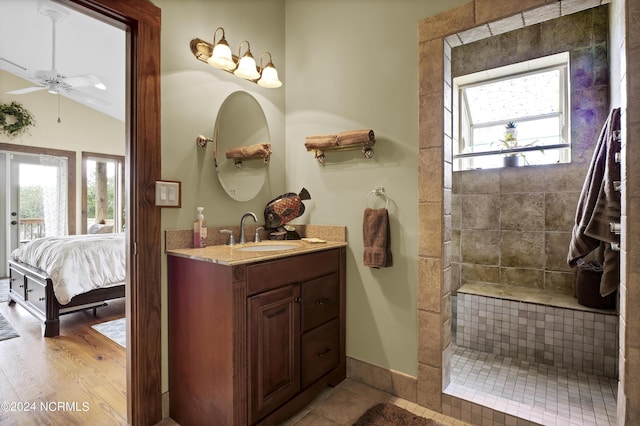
(105, 229)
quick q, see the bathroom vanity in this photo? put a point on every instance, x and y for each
(255, 332)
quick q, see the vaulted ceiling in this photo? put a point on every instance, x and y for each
(84, 46)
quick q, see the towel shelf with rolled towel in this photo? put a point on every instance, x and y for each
(343, 141)
(240, 153)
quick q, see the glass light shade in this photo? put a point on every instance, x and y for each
(247, 68)
(221, 57)
(269, 77)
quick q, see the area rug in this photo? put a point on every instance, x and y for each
(115, 330)
(4, 290)
(6, 330)
(392, 415)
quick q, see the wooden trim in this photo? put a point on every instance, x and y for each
(141, 20)
(71, 175)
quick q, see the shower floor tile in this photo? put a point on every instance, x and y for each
(532, 391)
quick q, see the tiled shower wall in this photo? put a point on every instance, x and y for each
(512, 226)
(435, 190)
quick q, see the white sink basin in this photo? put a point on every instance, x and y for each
(268, 247)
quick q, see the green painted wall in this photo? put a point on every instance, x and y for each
(347, 64)
(353, 64)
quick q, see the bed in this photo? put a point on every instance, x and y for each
(52, 276)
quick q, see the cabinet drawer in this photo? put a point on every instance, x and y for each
(320, 348)
(36, 294)
(273, 274)
(17, 282)
(320, 301)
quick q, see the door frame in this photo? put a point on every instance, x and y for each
(141, 21)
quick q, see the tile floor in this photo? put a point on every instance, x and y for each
(532, 391)
(345, 403)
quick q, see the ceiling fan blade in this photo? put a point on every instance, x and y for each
(5, 60)
(86, 98)
(17, 70)
(26, 90)
(84, 81)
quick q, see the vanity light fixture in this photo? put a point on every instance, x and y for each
(219, 55)
(269, 75)
(247, 67)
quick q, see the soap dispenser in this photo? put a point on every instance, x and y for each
(199, 230)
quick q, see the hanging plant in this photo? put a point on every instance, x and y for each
(15, 119)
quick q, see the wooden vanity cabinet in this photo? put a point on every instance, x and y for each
(254, 343)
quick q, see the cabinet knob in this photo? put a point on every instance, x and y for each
(298, 300)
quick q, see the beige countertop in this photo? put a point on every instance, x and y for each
(236, 254)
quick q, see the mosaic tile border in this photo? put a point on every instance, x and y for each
(572, 339)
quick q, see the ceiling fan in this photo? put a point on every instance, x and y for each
(54, 81)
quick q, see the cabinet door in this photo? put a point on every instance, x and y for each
(274, 349)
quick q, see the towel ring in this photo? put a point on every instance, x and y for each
(379, 191)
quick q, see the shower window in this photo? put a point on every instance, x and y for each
(531, 97)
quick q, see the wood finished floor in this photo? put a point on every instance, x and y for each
(81, 369)
(84, 369)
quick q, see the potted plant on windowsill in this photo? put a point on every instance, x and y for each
(510, 142)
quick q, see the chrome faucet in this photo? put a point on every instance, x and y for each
(243, 239)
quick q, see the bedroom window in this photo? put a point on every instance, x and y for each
(520, 110)
(102, 193)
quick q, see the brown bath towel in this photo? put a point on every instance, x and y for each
(598, 206)
(257, 150)
(376, 236)
(353, 137)
(320, 141)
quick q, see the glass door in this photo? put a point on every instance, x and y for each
(35, 188)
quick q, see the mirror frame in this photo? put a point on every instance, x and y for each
(141, 20)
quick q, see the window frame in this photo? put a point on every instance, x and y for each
(465, 129)
(120, 189)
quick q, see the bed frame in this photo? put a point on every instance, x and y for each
(32, 289)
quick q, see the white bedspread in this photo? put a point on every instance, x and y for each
(77, 263)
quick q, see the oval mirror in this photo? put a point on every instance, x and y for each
(242, 148)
